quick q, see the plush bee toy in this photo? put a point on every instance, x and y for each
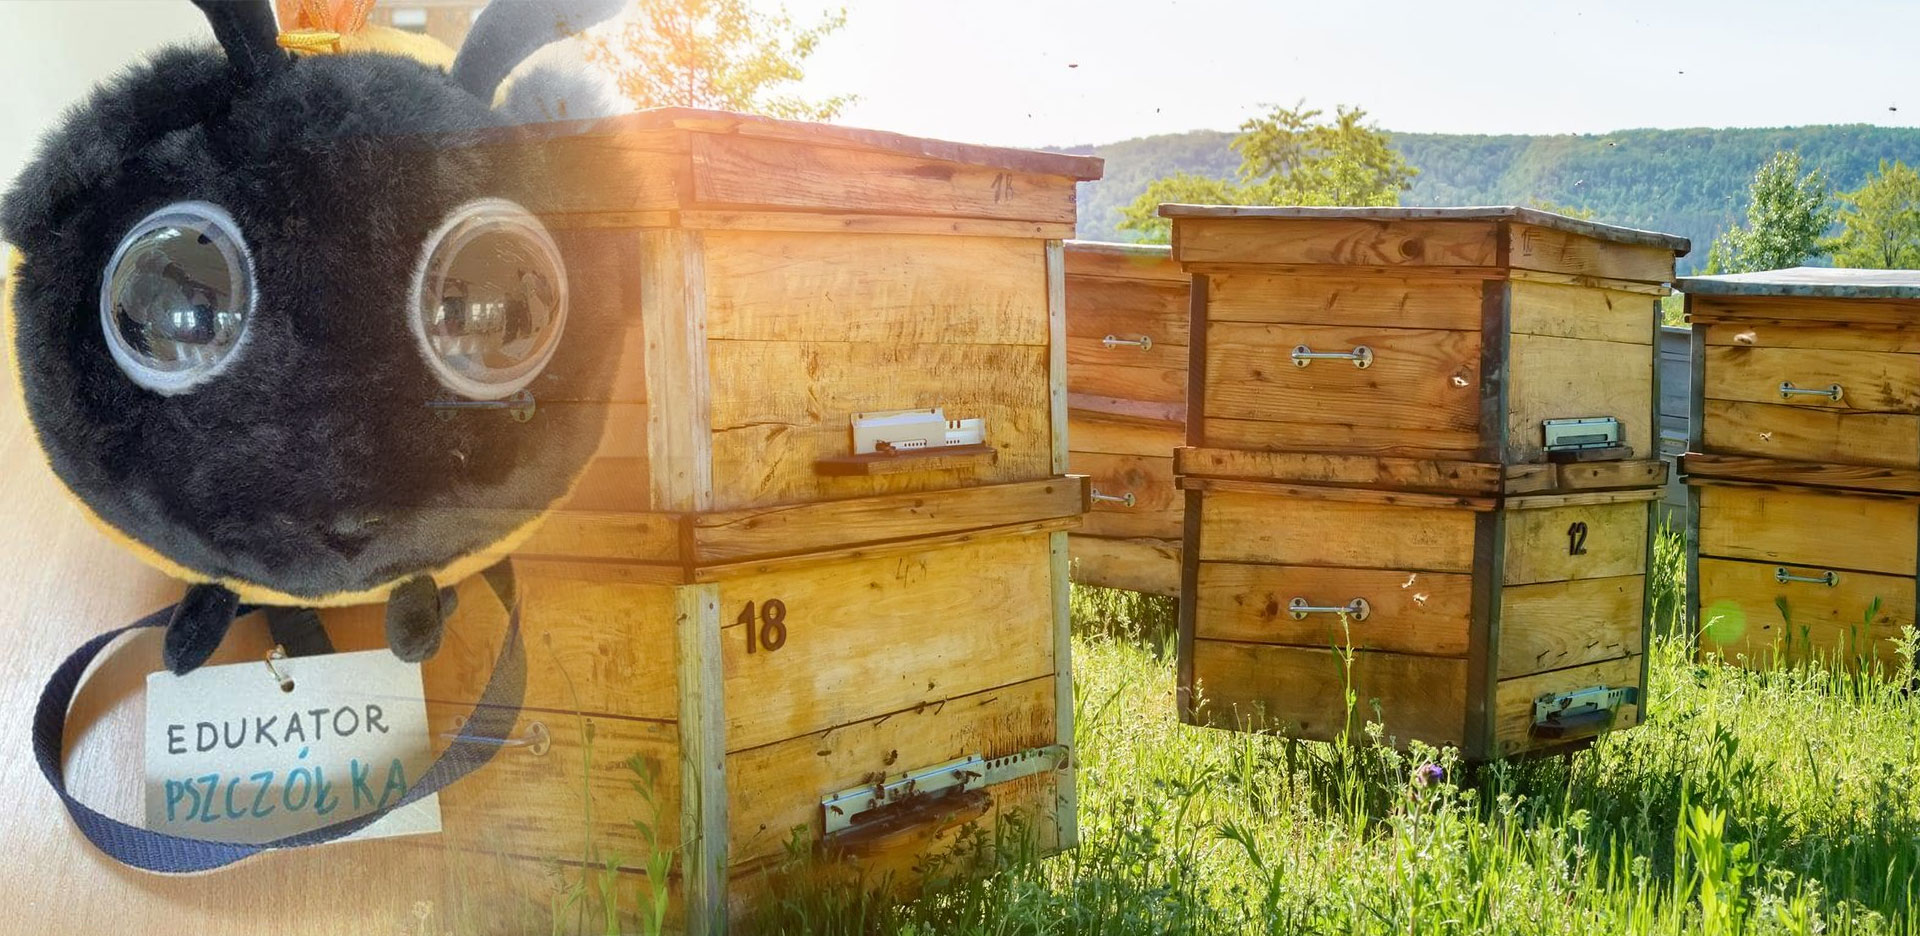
(280, 321)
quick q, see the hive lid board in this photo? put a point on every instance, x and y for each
(1534, 216)
(696, 120)
(1808, 282)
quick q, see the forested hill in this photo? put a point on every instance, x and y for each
(1687, 182)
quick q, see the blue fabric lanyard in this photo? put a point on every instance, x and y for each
(487, 729)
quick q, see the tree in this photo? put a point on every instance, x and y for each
(1181, 188)
(1287, 157)
(1880, 221)
(1788, 214)
(717, 54)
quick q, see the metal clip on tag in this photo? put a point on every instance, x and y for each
(520, 406)
(1361, 356)
(278, 654)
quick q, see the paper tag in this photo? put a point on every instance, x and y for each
(231, 757)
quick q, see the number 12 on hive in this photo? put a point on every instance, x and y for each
(766, 630)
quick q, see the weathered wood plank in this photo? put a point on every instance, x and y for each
(1554, 625)
(580, 534)
(777, 788)
(1532, 247)
(1409, 612)
(1100, 433)
(1746, 610)
(1803, 311)
(1340, 438)
(1563, 378)
(1353, 302)
(868, 637)
(1302, 692)
(1346, 495)
(1106, 260)
(1159, 374)
(1576, 312)
(1157, 506)
(1142, 565)
(1585, 476)
(731, 170)
(1812, 434)
(1513, 718)
(794, 529)
(779, 407)
(1418, 379)
(1335, 242)
(531, 805)
(703, 755)
(1126, 308)
(1240, 527)
(673, 315)
(1869, 382)
(1842, 336)
(1768, 470)
(1407, 474)
(902, 289)
(804, 222)
(1582, 541)
(891, 548)
(1811, 528)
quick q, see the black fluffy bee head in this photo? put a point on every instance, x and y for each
(250, 285)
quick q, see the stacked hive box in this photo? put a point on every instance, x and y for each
(1804, 463)
(1127, 399)
(775, 625)
(1377, 461)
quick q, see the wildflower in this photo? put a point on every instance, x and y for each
(1429, 774)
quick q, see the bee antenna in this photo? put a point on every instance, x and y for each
(506, 33)
(247, 31)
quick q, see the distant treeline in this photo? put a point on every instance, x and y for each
(1687, 182)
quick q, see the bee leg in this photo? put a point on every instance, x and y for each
(199, 623)
(414, 620)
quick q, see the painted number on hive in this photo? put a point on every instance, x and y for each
(1577, 538)
(768, 629)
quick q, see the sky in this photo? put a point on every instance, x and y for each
(1029, 72)
(1061, 72)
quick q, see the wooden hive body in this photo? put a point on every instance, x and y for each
(1495, 570)
(1803, 463)
(1127, 408)
(765, 280)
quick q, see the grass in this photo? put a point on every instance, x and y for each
(1783, 801)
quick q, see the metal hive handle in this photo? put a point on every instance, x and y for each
(1361, 356)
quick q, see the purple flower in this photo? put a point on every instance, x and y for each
(1429, 774)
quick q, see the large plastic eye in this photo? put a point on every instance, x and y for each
(177, 296)
(489, 299)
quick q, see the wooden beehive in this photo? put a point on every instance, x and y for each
(732, 596)
(1127, 409)
(1375, 462)
(1803, 463)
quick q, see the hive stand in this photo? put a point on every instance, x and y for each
(1803, 464)
(1377, 462)
(768, 624)
(1127, 409)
